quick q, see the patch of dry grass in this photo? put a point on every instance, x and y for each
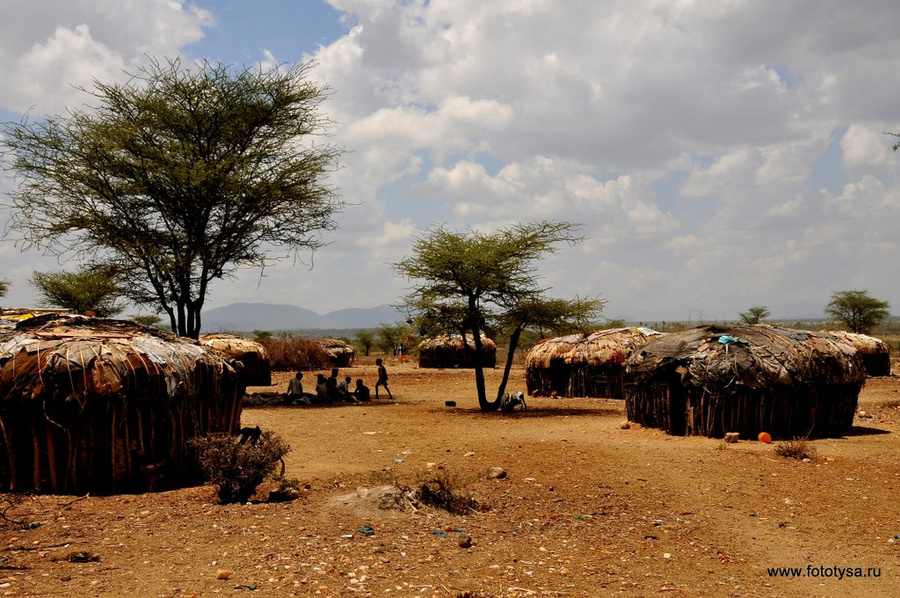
(797, 448)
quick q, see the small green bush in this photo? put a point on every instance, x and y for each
(238, 465)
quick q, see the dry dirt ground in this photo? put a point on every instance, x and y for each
(587, 509)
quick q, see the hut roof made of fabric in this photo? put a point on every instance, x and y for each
(233, 345)
(455, 341)
(865, 344)
(98, 356)
(604, 347)
(755, 356)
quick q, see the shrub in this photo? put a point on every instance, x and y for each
(446, 491)
(290, 352)
(238, 465)
(10, 507)
(798, 448)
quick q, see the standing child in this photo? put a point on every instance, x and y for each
(382, 379)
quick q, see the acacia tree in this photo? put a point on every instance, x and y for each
(91, 289)
(858, 310)
(365, 339)
(469, 282)
(755, 315)
(391, 336)
(178, 177)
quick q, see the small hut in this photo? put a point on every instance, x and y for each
(581, 365)
(449, 351)
(875, 353)
(748, 379)
(101, 406)
(257, 370)
(340, 354)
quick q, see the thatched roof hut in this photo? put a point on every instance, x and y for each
(748, 379)
(584, 365)
(875, 353)
(89, 405)
(340, 354)
(257, 370)
(448, 351)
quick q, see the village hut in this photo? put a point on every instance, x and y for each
(747, 379)
(875, 353)
(106, 406)
(340, 353)
(584, 365)
(449, 351)
(256, 371)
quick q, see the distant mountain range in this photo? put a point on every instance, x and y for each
(247, 317)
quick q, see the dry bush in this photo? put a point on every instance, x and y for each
(238, 465)
(11, 516)
(291, 352)
(797, 448)
(446, 491)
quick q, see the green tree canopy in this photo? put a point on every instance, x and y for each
(149, 320)
(470, 282)
(858, 310)
(365, 339)
(755, 315)
(391, 336)
(94, 290)
(178, 176)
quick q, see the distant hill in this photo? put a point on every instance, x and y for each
(247, 317)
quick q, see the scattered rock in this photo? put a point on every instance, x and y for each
(82, 557)
(732, 437)
(223, 574)
(496, 473)
(625, 425)
(465, 542)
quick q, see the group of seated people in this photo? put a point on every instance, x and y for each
(328, 390)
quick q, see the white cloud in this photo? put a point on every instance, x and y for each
(868, 149)
(49, 48)
(692, 139)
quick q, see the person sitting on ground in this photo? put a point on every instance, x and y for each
(361, 392)
(382, 378)
(331, 385)
(343, 389)
(322, 389)
(295, 394)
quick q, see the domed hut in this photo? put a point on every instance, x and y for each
(340, 354)
(584, 365)
(875, 353)
(105, 406)
(711, 380)
(257, 370)
(449, 351)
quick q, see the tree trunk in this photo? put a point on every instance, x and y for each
(513, 344)
(483, 403)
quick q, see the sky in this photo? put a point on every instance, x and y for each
(719, 155)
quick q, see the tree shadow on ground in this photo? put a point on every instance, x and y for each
(536, 412)
(866, 431)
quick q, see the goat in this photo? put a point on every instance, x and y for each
(509, 401)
